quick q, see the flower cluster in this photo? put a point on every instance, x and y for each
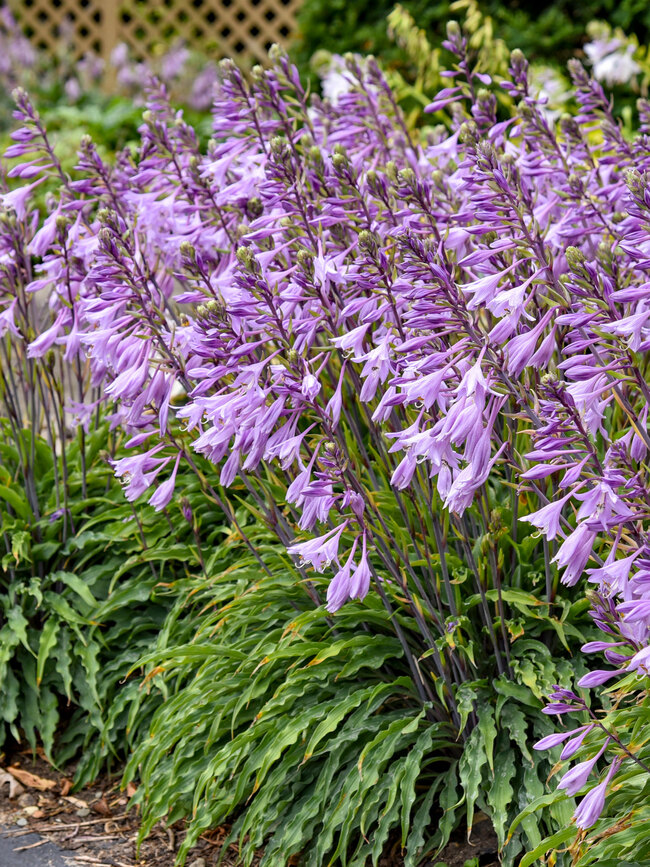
(324, 301)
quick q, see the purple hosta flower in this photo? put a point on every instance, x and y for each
(574, 744)
(521, 350)
(164, 492)
(173, 62)
(18, 199)
(138, 472)
(612, 57)
(350, 582)
(563, 701)
(547, 519)
(577, 776)
(203, 87)
(550, 741)
(640, 660)
(613, 575)
(8, 320)
(376, 368)
(596, 678)
(589, 810)
(574, 552)
(602, 508)
(635, 611)
(320, 551)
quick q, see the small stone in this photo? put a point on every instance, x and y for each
(21, 822)
(26, 800)
(82, 812)
(198, 862)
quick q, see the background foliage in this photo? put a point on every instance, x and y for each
(549, 32)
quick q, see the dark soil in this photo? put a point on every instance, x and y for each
(96, 828)
(93, 824)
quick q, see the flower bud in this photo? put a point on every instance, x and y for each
(305, 259)
(367, 241)
(315, 154)
(187, 251)
(391, 172)
(406, 176)
(254, 206)
(575, 258)
(186, 509)
(245, 257)
(469, 132)
(279, 147)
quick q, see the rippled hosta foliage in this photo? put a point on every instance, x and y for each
(423, 365)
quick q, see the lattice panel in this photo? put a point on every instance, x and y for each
(223, 27)
(45, 22)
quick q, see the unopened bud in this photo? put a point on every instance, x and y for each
(468, 133)
(245, 257)
(406, 176)
(187, 250)
(278, 145)
(254, 206)
(305, 259)
(367, 240)
(575, 258)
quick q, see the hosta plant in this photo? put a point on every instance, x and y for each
(423, 366)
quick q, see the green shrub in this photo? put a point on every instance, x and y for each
(549, 32)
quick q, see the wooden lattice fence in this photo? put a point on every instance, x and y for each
(224, 27)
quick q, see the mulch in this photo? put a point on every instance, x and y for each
(96, 826)
(94, 823)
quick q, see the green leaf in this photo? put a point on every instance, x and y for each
(549, 843)
(47, 642)
(470, 770)
(489, 732)
(500, 793)
(77, 584)
(17, 500)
